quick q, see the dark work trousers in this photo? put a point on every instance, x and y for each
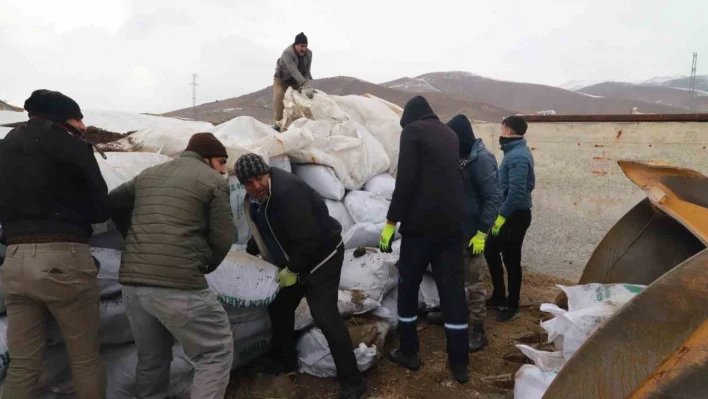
(444, 254)
(508, 243)
(321, 290)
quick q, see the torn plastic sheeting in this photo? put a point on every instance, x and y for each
(379, 118)
(531, 382)
(546, 361)
(350, 149)
(349, 302)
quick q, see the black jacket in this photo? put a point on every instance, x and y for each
(429, 197)
(299, 221)
(50, 182)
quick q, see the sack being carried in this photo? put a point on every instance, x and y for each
(244, 281)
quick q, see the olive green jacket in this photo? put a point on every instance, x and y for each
(177, 221)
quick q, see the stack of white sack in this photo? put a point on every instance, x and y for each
(589, 306)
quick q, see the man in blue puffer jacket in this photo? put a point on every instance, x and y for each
(516, 182)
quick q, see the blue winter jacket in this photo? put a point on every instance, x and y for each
(516, 177)
(481, 189)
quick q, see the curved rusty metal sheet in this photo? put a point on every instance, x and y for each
(645, 345)
(660, 232)
(641, 247)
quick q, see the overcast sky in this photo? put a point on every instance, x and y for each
(140, 55)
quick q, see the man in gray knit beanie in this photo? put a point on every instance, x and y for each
(292, 229)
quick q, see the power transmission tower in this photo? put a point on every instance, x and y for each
(194, 85)
(692, 84)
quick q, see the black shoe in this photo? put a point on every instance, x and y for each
(276, 128)
(460, 373)
(508, 313)
(411, 362)
(478, 338)
(495, 302)
(435, 317)
(353, 391)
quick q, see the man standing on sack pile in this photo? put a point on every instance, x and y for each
(291, 70)
(178, 225)
(292, 229)
(429, 201)
(52, 191)
(516, 182)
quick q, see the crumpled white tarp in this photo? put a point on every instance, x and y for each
(124, 122)
(349, 147)
(379, 118)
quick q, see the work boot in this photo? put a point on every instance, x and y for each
(435, 317)
(353, 391)
(508, 313)
(276, 127)
(460, 373)
(495, 302)
(411, 362)
(478, 339)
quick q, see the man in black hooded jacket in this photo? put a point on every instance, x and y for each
(429, 201)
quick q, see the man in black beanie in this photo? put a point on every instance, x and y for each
(482, 202)
(291, 70)
(52, 191)
(293, 230)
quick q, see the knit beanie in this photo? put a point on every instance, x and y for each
(462, 126)
(52, 105)
(250, 165)
(301, 39)
(516, 123)
(206, 145)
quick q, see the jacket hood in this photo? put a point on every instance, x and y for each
(462, 127)
(477, 147)
(416, 109)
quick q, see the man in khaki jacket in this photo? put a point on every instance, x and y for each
(179, 227)
(292, 70)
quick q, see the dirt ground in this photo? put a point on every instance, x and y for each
(386, 380)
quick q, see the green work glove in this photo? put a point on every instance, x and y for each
(498, 225)
(477, 243)
(386, 238)
(286, 278)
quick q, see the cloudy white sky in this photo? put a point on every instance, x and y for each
(140, 55)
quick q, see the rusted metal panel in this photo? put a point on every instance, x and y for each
(622, 355)
(657, 344)
(618, 118)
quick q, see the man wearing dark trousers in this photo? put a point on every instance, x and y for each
(482, 201)
(292, 70)
(516, 182)
(292, 229)
(428, 201)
